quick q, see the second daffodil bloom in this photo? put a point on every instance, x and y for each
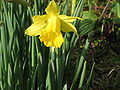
(50, 25)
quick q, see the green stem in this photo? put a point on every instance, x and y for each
(73, 6)
(33, 52)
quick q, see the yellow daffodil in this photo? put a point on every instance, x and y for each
(49, 26)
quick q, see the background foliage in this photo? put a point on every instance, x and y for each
(26, 64)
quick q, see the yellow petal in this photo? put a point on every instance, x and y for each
(67, 27)
(40, 19)
(52, 8)
(35, 29)
(68, 18)
(52, 39)
(53, 24)
(52, 36)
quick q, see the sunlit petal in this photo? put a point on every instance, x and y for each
(67, 27)
(68, 18)
(39, 19)
(53, 24)
(35, 29)
(52, 8)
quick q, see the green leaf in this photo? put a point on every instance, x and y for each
(65, 87)
(90, 77)
(115, 59)
(22, 2)
(116, 8)
(50, 80)
(80, 63)
(86, 26)
(116, 20)
(82, 76)
(89, 15)
(9, 75)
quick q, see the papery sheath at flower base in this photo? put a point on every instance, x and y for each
(50, 25)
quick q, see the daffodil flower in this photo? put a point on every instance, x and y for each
(50, 25)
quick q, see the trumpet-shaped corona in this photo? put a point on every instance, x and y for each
(49, 26)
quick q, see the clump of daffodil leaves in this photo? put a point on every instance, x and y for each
(50, 25)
